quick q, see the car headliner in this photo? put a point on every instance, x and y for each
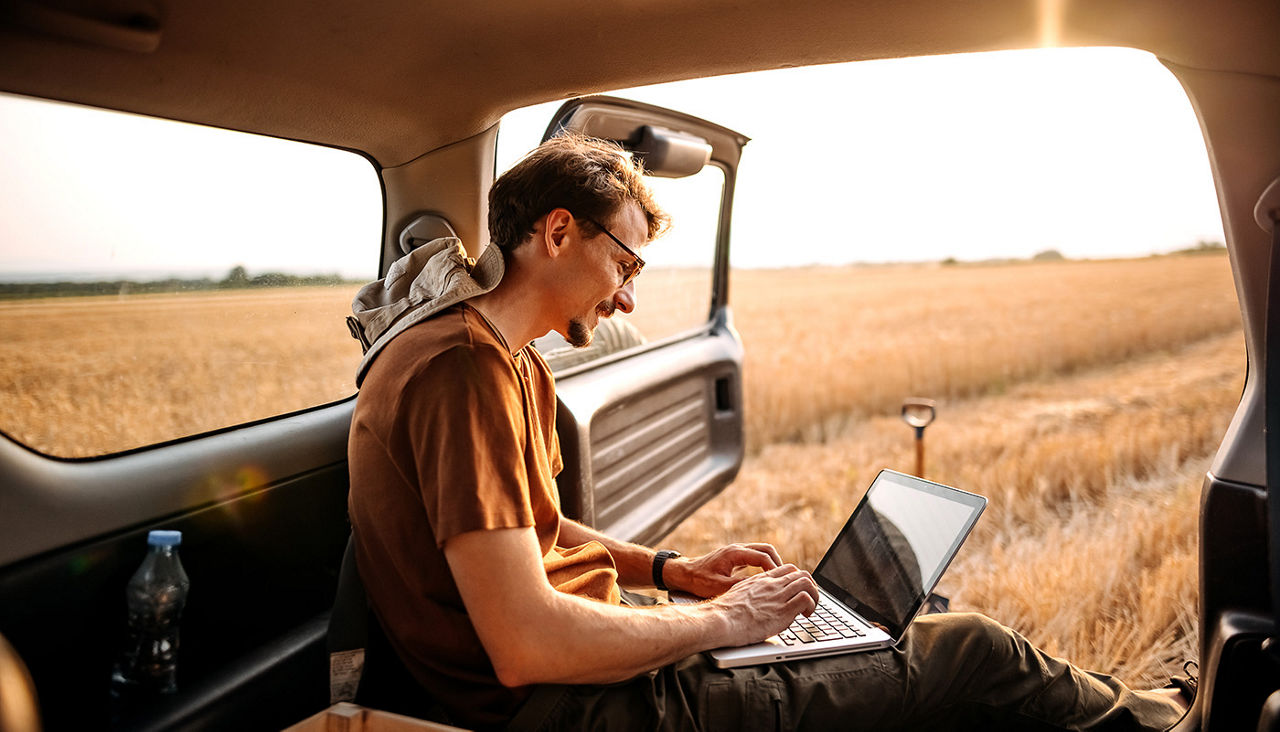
(399, 78)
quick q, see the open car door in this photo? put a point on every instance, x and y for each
(650, 415)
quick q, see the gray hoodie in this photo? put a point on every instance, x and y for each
(420, 284)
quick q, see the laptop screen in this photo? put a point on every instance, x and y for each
(894, 548)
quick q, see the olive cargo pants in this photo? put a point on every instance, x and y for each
(951, 671)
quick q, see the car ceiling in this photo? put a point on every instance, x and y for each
(398, 78)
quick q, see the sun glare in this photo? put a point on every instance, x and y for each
(1050, 22)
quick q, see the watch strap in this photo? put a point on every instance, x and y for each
(659, 559)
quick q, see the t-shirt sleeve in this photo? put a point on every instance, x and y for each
(466, 427)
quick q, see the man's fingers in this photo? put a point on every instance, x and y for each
(806, 589)
(782, 570)
(745, 571)
(788, 579)
(767, 549)
(749, 556)
(802, 604)
(797, 587)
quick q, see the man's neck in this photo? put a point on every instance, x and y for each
(509, 311)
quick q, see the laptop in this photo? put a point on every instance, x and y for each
(878, 573)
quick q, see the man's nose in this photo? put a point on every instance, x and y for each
(625, 298)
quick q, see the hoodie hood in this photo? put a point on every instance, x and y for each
(420, 284)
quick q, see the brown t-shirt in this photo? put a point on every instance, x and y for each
(452, 433)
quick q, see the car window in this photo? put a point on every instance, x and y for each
(674, 292)
(160, 280)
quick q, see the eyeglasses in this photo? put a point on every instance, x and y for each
(634, 270)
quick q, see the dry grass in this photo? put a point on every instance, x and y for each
(828, 347)
(86, 376)
(1089, 543)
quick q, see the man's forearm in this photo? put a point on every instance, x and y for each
(534, 634)
(596, 643)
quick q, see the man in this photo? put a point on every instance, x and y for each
(506, 611)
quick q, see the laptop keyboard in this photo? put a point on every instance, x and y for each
(825, 624)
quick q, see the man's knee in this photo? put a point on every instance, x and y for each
(981, 626)
(971, 636)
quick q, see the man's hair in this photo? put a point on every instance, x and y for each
(591, 178)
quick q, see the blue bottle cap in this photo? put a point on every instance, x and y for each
(164, 538)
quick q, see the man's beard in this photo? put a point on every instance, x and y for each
(580, 336)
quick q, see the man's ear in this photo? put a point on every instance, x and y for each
(556, 226)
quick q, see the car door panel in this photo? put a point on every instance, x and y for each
(262, 551)
(662, 432)
(1236, 618)
(157, 481)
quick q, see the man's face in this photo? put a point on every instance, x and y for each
(604, 269)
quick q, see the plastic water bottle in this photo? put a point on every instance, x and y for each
(155, 595)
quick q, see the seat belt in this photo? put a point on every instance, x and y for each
(348, 635)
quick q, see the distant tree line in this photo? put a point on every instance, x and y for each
(238, 278)
(1203, 246)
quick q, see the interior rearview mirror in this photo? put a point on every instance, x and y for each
(670, 154)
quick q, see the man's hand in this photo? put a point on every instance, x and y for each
(764, 604)
(712, 574)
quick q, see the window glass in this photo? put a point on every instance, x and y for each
(673, 294)
(160, 280)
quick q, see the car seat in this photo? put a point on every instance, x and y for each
(363, 667)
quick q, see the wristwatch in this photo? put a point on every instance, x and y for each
(659, 559)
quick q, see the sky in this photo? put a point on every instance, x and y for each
(1092, 152)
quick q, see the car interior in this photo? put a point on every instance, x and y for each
(651, 428)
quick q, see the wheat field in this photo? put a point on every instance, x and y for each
(827, 347)
(1086, 408)
(1084, 399)
(87, 376)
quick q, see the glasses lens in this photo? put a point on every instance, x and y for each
(631, 273)
(637, 264)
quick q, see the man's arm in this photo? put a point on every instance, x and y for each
(536, 634)
(705, 576)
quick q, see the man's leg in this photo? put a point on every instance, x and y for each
(969, 665)
(858, 692)
(951, 671)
